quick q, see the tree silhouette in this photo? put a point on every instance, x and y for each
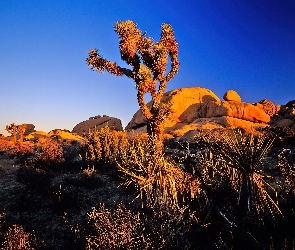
(148, 61)
(21, 129)
(14, 129)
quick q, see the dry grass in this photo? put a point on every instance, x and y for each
(158, 180)
(16, 238)
(116, 229)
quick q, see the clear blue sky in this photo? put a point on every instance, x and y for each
(245, 45)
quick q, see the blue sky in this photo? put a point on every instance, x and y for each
(245, 45)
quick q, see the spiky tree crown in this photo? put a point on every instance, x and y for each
(147, 58)
(148, 61)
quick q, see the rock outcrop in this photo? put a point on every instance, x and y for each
(285, 116)
(187, 105)
(29, 129)
(268, 107)
(240, 110)
(97, 122)
(199, 108)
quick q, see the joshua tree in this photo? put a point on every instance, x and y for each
(148, 61)
(12, 129)
(21, 129)
(16, 129)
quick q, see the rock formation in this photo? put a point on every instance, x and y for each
(268, 107)
(285, 117)
(29, 129)
(187, 105)
(97, 122)
(240, 110)
(199, 108)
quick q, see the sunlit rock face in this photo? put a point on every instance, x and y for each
(187, 105)
(232, 95)
(98, 122)
(268, 107)
(240, 110)
(199, 108)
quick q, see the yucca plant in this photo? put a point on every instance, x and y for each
(158, 180)
(243, 154)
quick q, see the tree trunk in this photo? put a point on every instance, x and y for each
(155, 130)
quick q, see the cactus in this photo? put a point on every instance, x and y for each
(148, 61)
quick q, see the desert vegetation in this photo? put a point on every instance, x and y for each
(224, 190)
(227, 189)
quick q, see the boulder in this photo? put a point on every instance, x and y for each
(241, 110)
(97, 122)
(29, 129)
(187, 105)
(232, 95)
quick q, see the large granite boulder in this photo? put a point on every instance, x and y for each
(232, 95)
(98, 122)
(188, 104)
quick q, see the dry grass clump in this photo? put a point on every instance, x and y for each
(16, 238)
(119, 228)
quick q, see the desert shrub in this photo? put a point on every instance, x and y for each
(157, 228)
(103, 146)
(5, 145)
(88, 179)
(22, 152)
(118, 228)
(16, 238)
(48, 156)
(158, 180)
(72, 159)
(286, 163)
(284, 136)
(170, 228)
